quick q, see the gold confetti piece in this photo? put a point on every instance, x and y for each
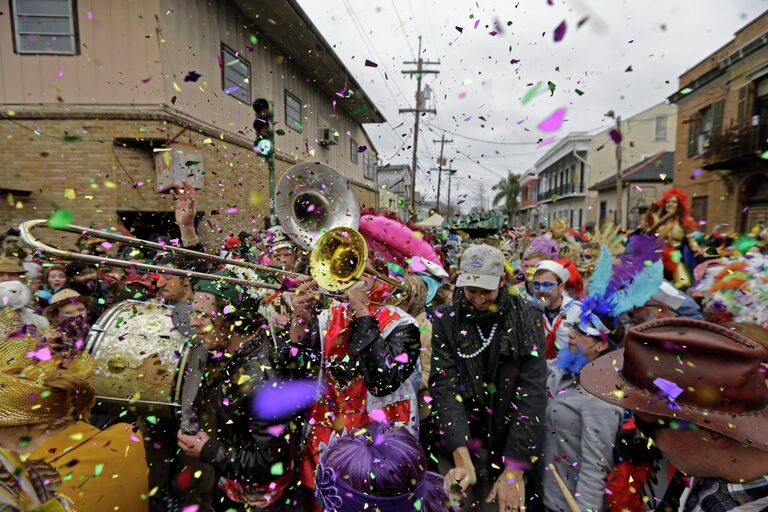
(77, 436)
(69, 193)
(19, 205)
(208, 141)
(109, 184)
(197, 474)
(618, 393)
(176, 86)
(243, 379)
(10, 113)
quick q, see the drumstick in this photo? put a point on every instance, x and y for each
(568, 496)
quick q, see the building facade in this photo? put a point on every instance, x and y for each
(528, 213)
(394, 183)
(562, 177)
(644, 134)
(101, 101)
(722, 132)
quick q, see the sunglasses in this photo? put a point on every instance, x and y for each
(649, 428)
(544, 286)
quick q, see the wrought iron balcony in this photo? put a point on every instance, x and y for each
(736, 146)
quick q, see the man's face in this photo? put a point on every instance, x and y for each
(529, 266)
(71, 310)
(285, 257)
(9, 276)
(652, 310)
(171, 288)
(480, 298)
(207, 320)
(547, 288)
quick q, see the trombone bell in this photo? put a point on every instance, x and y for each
(339, 258)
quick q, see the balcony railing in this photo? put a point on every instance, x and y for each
(563, 190)
(736, 146)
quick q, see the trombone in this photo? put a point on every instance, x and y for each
(325, 226)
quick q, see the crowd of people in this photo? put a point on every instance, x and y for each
(530, 369)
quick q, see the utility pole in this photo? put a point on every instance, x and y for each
(419, 72)
(439, 169)
(619, 177)
(450, 173)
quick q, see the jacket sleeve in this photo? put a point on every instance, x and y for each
(447, 401)
(526, 428)
(599, 428)
(381, 360)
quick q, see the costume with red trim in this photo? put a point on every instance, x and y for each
(675, 227)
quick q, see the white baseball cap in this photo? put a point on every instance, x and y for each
(560, 271)
(481, 266)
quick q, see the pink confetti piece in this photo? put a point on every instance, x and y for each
(61, 73)
(402, 358)
(378, 416)
(560, 32)
(544, 142)
(427, 399)
(553, 122)
(231, 210)
(191, 508)
(134, 438)
(638, 188)
(462, 95)
(106, 245)
(417, 265)
(89, 15)
(44, 354)
(275, 430)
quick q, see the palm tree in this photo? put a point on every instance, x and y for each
(506, 193)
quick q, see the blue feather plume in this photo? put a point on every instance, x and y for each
(645, 284)
(598, 281)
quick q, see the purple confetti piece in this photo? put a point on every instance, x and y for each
(370, 64)
(668, 388)
(616, 136)
(696, 173)
(460, 29)
(560, 32)
(477, 23)
(275, 400)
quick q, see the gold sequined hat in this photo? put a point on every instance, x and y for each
(35, 383)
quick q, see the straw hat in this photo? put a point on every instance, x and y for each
(10, 265)
(62, 298)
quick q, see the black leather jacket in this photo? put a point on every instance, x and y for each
(241, 448)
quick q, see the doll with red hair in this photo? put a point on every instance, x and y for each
(670, 218)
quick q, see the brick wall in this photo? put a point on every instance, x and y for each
(106, 178)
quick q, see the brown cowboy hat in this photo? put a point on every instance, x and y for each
(10, 265)
(689, 370)
(62, 298)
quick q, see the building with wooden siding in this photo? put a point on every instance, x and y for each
(94, 96)
(722, 132)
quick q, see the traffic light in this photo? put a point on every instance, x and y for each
(265, 135)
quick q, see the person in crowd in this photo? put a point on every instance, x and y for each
(45, 399)
(485, 359)
(579, 429)
(17, 296)
(54, 280)
(574, 287)
(84, 279)
(710, 419)
(243, 450)
(377, 467)
(281, 251)
(68, 315)
(366, 352)
(10, 269)
(668, 302)
(176, 291)
(548, 285)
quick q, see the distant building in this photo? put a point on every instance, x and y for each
(644, 184)
(644, 135)
(97, 115)
(528, 213)
(394, 187)
(562, 177)
(722, 132)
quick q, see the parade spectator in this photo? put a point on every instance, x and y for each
(242, 449)
(68, 315)
(579, 429)
(54, 280)
(45, 399)
(548, 286)
(668, 302)
(377, 467)
(10, 269)
(710, 419)
(484, 359)
(17, 296)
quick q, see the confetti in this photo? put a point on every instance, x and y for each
(275, 400)
(553, 122)
(43, 354)
(192, 76)
(559, 33)
(61, 218)
(370, 64)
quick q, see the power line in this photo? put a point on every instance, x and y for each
(400, 20)
(485, 141)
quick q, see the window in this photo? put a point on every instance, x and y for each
(353, 151)
(699, 208)
(236, 75)
(45, 26)
(293, 112)
(706, 123)
(369, 165)
(661, 128)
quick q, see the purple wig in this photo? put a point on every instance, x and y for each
(545, 245)
(381, 466)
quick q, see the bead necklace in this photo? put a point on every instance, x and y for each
(486, 341)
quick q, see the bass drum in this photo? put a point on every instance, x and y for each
(140, 357)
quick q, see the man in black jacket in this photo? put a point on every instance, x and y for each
(488, 384)
(255, 466)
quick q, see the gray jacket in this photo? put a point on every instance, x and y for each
(579, 433)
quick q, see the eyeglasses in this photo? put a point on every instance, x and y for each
(649, 428)
(544, 286)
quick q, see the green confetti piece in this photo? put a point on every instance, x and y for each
(280, 132)
(71, 138)
(579, 92)
(531, 93)
(432, 456)
(61, 218)
(276, 469)
(676, 256)
(45, 394)
(152, 420)
(24, 442)
(764, 156)
(254, 39)
(68, 476)
(552, 88)
(98, 469)
(417, 504)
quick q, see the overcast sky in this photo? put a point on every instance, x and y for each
(479, 90)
